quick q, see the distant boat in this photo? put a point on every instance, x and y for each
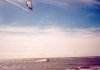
(42, 60)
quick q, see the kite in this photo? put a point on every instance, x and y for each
(29, 4)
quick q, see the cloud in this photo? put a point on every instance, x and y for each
(47, 29)
(26, 42)
(90, 2)
(70, 4)
(1, 2)
(57, 3)
(1, 19)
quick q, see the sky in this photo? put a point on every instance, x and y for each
(54, 28)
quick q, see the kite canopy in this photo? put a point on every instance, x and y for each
(29, 4)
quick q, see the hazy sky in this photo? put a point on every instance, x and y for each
(54, 28)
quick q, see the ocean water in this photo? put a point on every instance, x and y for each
(59, 63)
